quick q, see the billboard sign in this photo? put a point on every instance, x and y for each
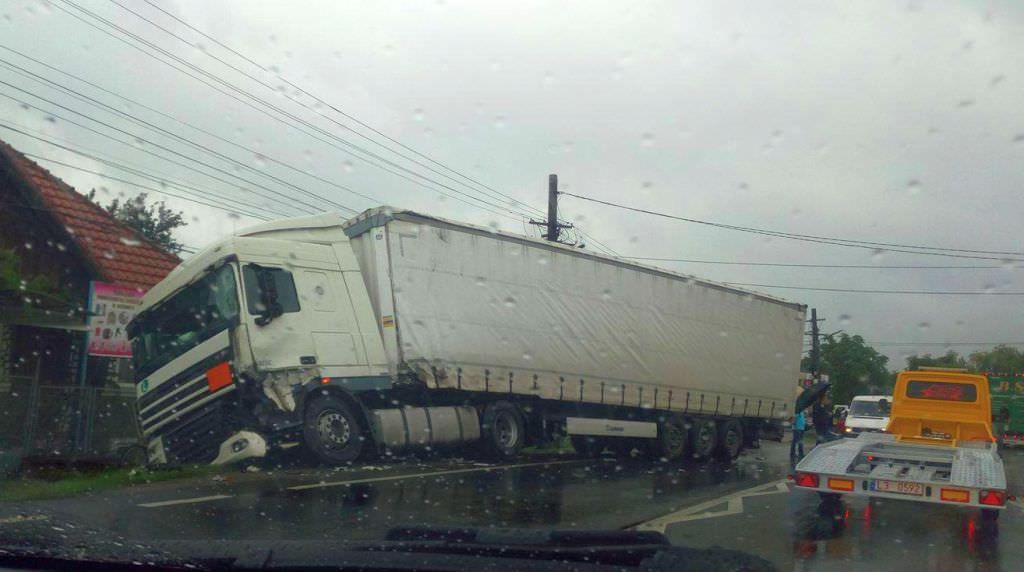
(111, 307)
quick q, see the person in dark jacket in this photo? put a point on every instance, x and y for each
(821, 416)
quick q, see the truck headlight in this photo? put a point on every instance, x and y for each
(849, 430)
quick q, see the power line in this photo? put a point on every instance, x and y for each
(285, 199)
(269, 105)
(221, 202)
(321, 101)
(794, 235)
(944, 344)
(291, 116)
(146, 173)
(155, 128)
(269, 159)
(857, 291)
(134, 184)
(798, 265)
(817, 239)
(133, 102)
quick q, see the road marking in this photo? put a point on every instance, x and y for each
(183, 501)
(424, 475)
(23, 518)
(733, 502)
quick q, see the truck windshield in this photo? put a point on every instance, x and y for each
(187, 319)
(870, 408)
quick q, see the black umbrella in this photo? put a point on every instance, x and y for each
(810, 395)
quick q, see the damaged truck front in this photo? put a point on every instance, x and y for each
(215, 383)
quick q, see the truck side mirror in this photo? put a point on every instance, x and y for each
(268, 295)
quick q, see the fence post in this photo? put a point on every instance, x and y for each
(32, 411)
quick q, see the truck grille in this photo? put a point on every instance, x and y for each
(196, 437)
(191, 420)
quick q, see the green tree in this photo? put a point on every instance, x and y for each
(853, 367)
(17, 286)
(950, 359)
(1000, 359)
(156, 221)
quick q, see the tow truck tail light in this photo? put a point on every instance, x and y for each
(840, 484)
(218, 376)
(807, 480)
(992, 498)
(955, 495)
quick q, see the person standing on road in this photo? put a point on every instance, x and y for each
(799, 426)
(821, 415)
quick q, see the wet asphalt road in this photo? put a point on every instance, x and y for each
(745, 506)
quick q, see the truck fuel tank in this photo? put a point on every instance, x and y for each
(415, 427)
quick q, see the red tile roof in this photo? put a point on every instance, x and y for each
(119, 253)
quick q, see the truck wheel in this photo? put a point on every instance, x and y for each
(730, 439)
(332, 433)
(703, 438)
(989, 515)
(673, 439)
(503, 430)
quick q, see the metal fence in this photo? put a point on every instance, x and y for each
(38, 419)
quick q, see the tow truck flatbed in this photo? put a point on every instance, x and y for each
(939, 449)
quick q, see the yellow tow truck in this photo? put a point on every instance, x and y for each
(938, 448)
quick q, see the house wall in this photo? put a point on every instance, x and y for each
(43, 247)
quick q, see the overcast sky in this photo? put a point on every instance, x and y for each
(878, 121)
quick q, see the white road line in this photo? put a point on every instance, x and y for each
(183, 501)
(424, 475)
(733, 502)
(23, 518)
(360, 481)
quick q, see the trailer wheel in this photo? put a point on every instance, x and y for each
(730, 439)
(989, 515)
(503, 430)
(332, 433)
(703, 438)
(673, 439)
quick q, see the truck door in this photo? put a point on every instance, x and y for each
(278, 331)
(329, 318)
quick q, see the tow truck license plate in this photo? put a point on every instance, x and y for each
(898, 487)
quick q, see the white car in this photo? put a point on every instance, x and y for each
(868, 413)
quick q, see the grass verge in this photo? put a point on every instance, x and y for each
(563, 446)
(15, 489)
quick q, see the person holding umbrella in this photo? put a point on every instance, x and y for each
(815, 395)
(821, 416)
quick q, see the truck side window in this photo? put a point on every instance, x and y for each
(284, 283)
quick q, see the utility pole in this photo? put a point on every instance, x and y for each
(554, 228)
(815, 345)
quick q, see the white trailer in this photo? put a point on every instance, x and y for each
(395, 329)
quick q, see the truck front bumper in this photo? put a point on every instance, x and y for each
(241, 446)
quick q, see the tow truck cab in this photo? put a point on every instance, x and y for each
(938, 448)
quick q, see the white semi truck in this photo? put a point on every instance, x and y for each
(395, 330)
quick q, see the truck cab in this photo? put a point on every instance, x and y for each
(939, 406)
(291, 295)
